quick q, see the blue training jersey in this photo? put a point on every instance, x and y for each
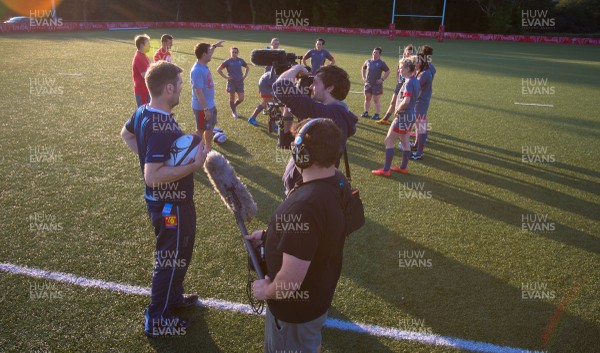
(201, 77)
(432, 69)
(374, 70)
(409, 89)
(317, 59)
(425, 82)
(155, 132)
(234, 68)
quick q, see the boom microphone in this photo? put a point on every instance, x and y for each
(235, 195)
(266, 57)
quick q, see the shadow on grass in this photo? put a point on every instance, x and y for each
(527, 168)
(526, 189)
(577, 126)
(197, 337)
(453, 298)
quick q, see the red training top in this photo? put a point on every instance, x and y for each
(139, 65)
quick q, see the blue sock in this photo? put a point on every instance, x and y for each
(259, 108)
(389, 157)
(421, 139)
(405, 157)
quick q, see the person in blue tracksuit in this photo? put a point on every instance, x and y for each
(169, 192)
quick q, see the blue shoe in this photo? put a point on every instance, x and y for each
(375, 117)
(365, 114)
(416, 156)
(253, 121)
(164, 327)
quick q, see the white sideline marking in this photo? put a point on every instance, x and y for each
(536, 105)
(373, 330)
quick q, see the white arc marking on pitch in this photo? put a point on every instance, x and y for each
(246, 309)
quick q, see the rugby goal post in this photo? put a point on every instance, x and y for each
(394, 15)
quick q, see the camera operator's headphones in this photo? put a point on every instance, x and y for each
(301, 151)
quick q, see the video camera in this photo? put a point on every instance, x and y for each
(279, 60)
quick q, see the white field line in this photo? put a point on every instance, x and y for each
(536, 104)
(218, 304)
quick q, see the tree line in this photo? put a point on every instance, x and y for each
(476, 16)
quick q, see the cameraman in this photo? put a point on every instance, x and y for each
(304, 245)
(330, 86)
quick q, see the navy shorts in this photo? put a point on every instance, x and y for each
(235, 86)
(374, 89)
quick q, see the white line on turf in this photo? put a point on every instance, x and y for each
(536, 104)
(218, 304)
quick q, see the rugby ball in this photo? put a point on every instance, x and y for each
(183, 150)
(220, 137)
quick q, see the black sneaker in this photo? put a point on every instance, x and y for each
(165, 327)
(188, 302)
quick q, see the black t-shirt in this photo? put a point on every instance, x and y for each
(309, 225)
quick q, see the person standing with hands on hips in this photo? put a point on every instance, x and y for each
(235, 78)
(203, 92)
(317, 56)
(371, 76)
(149, 133)
(304, 243)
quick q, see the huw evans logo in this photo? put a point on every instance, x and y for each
(537, 19)
(536, 222)
(290, 222)
(168, 259)
(45, 290)
(168, 191)
(163, 123)
(413, 259)
(167, 327)
(290, 18)
(414, 325)
(536, 290)
(39, 86)
(282, 155)
(290, 89)
(44, 18)
(536, 154)
(290, 291)
(44, 154)
(44, 222)
(536, 86)
(412, 190)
